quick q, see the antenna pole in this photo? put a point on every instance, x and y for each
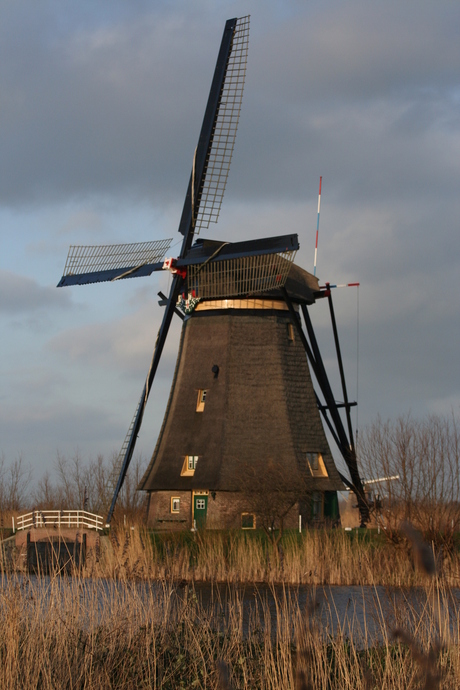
(317, 226)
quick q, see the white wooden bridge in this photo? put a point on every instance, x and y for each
(59, 519)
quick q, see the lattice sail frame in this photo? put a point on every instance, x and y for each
(223, 141)
(243, 276)
(91, 258)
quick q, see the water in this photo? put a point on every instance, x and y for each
(368, 615)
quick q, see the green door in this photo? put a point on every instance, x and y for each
(200, 508)
(331, 506)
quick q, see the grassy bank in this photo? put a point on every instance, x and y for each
(93, 634)
(316, 557)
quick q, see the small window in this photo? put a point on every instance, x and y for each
(290, 332)
(175, 504)
(316, 465)
(313, 461)
(248, 521)
(191, 462)
(316, 505)
(201, 399)
(189, 465)
(200, 504)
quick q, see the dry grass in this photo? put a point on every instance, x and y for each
(315, 558)
(124, 629)
(80, 633)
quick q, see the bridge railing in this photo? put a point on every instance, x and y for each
(59, 519)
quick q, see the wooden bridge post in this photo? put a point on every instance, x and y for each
(27, 552)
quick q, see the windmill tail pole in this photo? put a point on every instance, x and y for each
(363, 505)
(317, 226)
(341, 371)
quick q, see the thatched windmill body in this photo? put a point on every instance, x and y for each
(242, 419)
(242, 406)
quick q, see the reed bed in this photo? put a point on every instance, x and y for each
(312, 558)
(80, 633)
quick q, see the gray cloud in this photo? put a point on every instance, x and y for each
(40, 430)
(125, 344)
(116, 105)
(23, 295)
(101, 110)
(87, 112)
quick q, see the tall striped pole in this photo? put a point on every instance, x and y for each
(317, 226)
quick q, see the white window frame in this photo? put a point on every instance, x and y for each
(253, 521)
(315, 464)
(201, 399)
(189, 465)
(192, 461)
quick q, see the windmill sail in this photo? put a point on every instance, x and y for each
(212, 154)
(229, 269)
(243, 276)
(96, 264)
(117, 475)
(224, 135)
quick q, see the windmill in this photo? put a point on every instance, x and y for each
(218, 273)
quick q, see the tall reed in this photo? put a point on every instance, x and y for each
(315, 557)
(93, 634)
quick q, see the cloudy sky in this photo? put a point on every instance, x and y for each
(100, 109)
